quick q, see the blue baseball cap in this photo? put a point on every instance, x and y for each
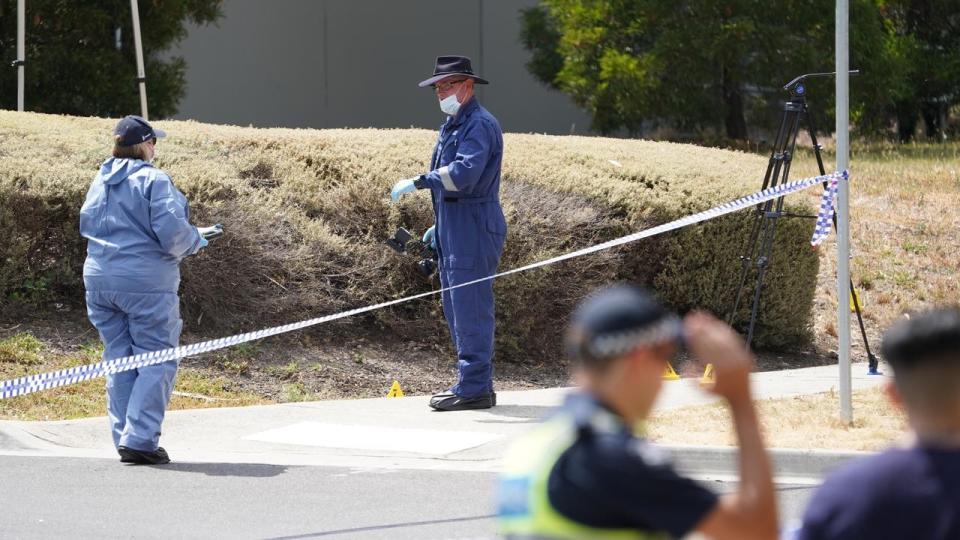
(133, 130)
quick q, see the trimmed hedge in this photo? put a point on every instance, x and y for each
(306, 213)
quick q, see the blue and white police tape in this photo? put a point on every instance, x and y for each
(825, 213)
(64, 377)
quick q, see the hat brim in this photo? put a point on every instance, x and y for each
(437, 78)
(159, 133)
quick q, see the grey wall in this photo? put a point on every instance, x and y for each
(356, 63)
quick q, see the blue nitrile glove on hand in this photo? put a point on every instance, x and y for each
(401, 187)
(430, 237)
(203, 241)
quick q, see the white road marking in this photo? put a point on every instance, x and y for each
(419, 441)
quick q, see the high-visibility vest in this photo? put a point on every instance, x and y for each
(524, 509)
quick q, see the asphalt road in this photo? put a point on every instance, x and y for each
(96, 498)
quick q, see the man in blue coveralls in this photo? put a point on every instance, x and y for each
(464, 184)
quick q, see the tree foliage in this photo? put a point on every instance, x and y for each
(81, 58)
(709, 68)
(927, 36)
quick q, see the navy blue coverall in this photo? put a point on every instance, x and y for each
(470, 229)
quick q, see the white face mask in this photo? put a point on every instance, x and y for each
(450, 105)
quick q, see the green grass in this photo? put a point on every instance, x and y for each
(201, 389)
(297, 392)
(914, 247)
(24, 354)
(288, 371)
(244, 351)
(236, 360)
(23, 349)
(235, 367)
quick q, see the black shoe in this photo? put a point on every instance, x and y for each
(448, 401)
(143, 457)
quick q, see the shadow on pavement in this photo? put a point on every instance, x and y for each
(250, 470)
(381, 527)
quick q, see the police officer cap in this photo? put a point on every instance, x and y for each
(134, 129)
(616, 319)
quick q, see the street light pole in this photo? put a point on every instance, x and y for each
(21, 49)
(843, 207)
(141, 76)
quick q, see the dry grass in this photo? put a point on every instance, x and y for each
(23, 354)
(905, 231)
(806, 422)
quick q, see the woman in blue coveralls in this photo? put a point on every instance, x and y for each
(137, 227)
(464, 184)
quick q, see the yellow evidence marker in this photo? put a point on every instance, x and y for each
(669, 374)
(855, 294)
(395, 390)
(708, 377)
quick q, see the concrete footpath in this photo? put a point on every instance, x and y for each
(403, 433)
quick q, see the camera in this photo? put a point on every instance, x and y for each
(210, 233)
(404, 242)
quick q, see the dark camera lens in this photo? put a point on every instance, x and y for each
(426, 267)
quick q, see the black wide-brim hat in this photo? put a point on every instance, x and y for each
(452, 65)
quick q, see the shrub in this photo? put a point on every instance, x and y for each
(306, 213)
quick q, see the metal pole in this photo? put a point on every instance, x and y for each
(21, 49)
(843, 208)
(141, 77)
(479, 88)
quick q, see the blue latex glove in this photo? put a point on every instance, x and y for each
(430, 237)
(401, 187)
(204, 242)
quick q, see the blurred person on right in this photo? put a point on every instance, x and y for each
(587, 473)
(910, 492)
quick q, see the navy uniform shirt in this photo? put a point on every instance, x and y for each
(610, 478)
(911, 493)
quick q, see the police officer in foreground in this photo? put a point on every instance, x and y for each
(464, 184)
(584, 473)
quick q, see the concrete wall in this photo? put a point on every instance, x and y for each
(356, 63)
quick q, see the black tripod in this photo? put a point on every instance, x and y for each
(759, 244)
